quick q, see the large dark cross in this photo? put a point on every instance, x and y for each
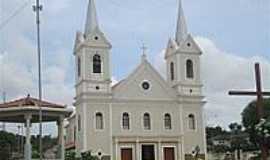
(259, 104)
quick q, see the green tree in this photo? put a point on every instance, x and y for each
(237, 139)
(214, 131)
(88, 156)
(70, 155)
(235, 128)
(250, 120)
(7, 144)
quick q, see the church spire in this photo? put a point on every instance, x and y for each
(181, 31)
(91, 19)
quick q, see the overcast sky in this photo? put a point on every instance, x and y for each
(233, 34)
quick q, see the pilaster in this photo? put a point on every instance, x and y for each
(159, 153)
(28, 147)
(137, 149)
(61, 140)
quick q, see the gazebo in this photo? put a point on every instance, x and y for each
(26, 110)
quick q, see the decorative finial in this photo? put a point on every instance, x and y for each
(144, 49)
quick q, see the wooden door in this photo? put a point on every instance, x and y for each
(148, 152)
(126, 154)
(169, 153)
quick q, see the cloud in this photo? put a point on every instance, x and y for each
(17, 80)
(221, 72)
(57, 6)
(18, 66)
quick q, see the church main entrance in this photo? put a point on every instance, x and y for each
(148, 152)
(169, 153)
(126, 154)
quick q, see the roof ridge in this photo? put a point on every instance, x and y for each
(27, 101)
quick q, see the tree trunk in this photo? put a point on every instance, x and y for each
(265, 153)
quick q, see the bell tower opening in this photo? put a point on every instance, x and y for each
(96, 64)
(189, 69)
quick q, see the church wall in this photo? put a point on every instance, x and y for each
(192, 138)
(80, 133)
(70, 131)
(136, 112)
(98, 140)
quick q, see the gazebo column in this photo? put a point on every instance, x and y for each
(61, 140)
(28, 147)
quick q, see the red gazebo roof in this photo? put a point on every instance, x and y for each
(29, 101)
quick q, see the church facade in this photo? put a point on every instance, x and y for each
(144, 116)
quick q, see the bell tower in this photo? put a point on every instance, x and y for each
(183, 74)
(92, 52)
(93, 85)
(183, 60)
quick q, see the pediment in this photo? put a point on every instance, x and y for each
(132, 86)
(78, 41)
(171, 47)
(189, 46)
(97, 39)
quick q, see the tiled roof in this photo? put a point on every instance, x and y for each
(29, 101)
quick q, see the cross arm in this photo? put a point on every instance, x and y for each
(247, 93)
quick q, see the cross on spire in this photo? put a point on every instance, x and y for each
(144, 49)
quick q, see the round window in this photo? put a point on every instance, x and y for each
(145, 85)
(96, 37)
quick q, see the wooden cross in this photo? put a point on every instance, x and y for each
(259, 104)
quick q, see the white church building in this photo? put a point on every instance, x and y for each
(143, 116)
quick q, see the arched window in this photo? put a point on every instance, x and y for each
(172, 70)
(191, 122)
(125, 121)
(99, 121)
(189, 67)
(167, 121)
(147, 121)
(79, 123)
(96, 64)
(79, 66)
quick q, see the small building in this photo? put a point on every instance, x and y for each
(27, 111)
(221, 140)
